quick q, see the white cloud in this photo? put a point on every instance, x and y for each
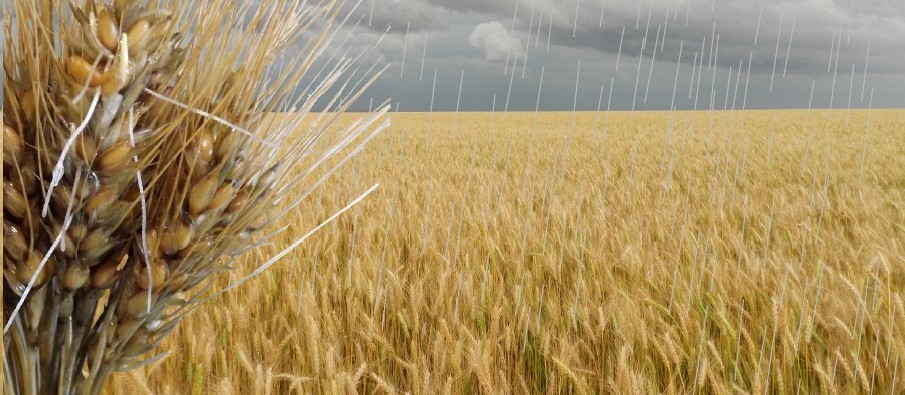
(495, 40)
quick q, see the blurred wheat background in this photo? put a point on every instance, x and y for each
(713, 252)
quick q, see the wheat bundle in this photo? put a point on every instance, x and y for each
(141, 159)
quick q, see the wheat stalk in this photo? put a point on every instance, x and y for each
(140, 161)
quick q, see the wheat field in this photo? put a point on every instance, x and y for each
(686, 252)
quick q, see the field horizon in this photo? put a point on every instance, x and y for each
(681, 111)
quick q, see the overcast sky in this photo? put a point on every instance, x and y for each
(668, 52)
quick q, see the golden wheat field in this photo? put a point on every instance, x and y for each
(708, 252)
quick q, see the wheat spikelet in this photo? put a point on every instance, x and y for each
(128, 179)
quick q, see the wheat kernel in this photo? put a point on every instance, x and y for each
(107, 31)
(137, 306)
(160, 271)
(67, 247)
(14, 243)
(227, 144)
(27, 100)
(176, 238)
(222, 197)
(12, 145)
(85, 148)
(201, 195)
(137, 344)
(199, 167)
(101, 200)
(103, 276)
(236, 168)
(76, 276)
(61, 195)
(268, 178)
(204, 244)
(138, 32)
(115, 156)
(94, 241)
(239, 202)
(14, 200)
(113, 86)
(27, 269)
(24, 178)
(77, 232)
(80, 69)
(205, 142)
(153, 242)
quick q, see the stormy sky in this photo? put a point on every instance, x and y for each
(653, 54)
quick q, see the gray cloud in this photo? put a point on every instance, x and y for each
(879, 21)
(452, 36)
(495, 40)
(417, 15)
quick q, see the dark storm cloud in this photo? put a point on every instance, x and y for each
(418, 14)
(481, 39)
(815, 23)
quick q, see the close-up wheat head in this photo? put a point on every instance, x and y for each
(141, 158)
